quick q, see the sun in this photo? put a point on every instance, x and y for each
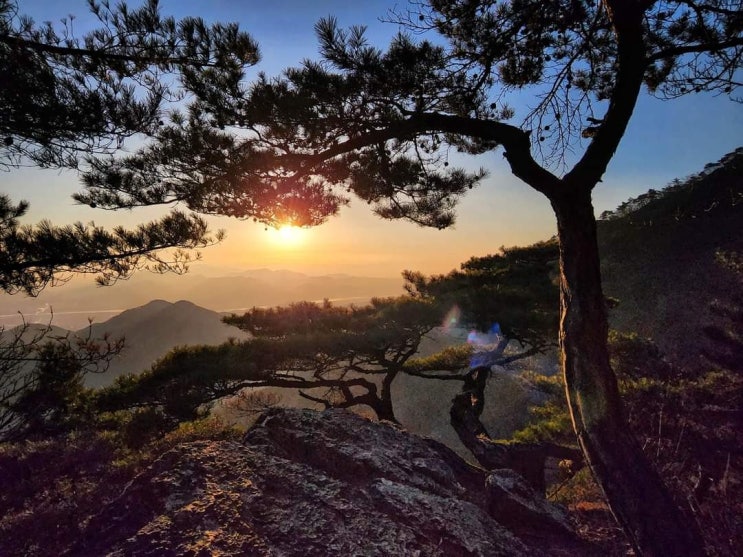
(288, 235)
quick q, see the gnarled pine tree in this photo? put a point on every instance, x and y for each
(339, 357)
(378, 123)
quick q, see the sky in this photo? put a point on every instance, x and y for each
(665, 140)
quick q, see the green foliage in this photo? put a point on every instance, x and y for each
(550, 421)
(657, 252)
(383, 315)
(633, 357)
(41, 379)
(516, 288)
(386, 330)
(66, 97)
(210, 428)
(451, 358)
(580, 492)
(726, 351)
(48, 488)
(380, 123)
(186, 379)
(33, 257)
(138, 432)
(687, 424)
(56, 395)
(302, 346)
(648, 383)
(65, 100)
(140, 426)
(350, 356)
(705, 195)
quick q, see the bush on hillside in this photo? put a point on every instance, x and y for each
(689, 427)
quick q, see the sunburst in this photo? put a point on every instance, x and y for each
(288, 235)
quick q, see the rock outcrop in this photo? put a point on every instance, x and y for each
(325, 483)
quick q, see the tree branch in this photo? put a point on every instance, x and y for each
(514, 140)
(688, 49)
(626, 18)
(424, 375)
(524, 458)
(103, 56)
(318, 400)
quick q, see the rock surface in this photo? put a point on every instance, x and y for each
(324, 483)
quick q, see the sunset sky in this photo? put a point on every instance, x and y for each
(665, 140)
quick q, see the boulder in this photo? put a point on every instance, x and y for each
(521, 508)
(326, 483)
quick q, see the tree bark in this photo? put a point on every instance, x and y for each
(385, 410)
(636, 494)
(526, 459)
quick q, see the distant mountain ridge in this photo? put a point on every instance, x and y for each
(658, 259)
(72, 304)
(150, 331)
(718, 185)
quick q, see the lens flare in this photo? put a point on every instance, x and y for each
(452, 318)
(487, 347)
(492, 337)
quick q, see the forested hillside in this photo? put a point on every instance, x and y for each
(659, 257)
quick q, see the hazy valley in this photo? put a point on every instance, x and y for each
(73, 304)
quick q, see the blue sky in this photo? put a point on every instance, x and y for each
(664, 140)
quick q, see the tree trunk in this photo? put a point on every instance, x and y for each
(384, 408)
(636, 494)
(526, 459)
(385, 411)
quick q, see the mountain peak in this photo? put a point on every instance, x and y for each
(151, 330)
(157, 303)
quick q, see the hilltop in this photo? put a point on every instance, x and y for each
(150, 331)
(205, 487)
(299, 483)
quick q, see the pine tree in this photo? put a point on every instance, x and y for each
(349, 356)
(380, 123)
(339, 357)
(514, 291)
(41, 377)
(65, 100)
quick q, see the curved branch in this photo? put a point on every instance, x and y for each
(316, 399)
(424, 375)
(514, 140)
(694, 48)
(299, 383)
